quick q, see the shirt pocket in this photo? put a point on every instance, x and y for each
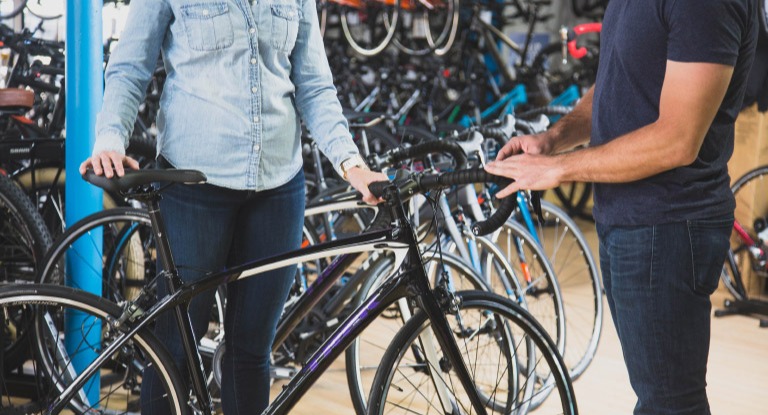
(285, 26)
(208, 26)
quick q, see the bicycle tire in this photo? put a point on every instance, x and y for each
(24, 239)
(136, 265)
(360, 375)
(574, 198)
(45, 186)
(43, 11)
(14, 11)
(571, 257)
(43, 306)
(517, 330)
(750, 190)
(349, 15)
(529, 280)
(438, 43)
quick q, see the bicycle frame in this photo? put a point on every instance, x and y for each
(412, 282)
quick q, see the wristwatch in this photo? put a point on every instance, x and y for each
(354, 161)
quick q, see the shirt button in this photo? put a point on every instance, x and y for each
(254, 60)
(205, 12)
(254, 89)
(252, 30)
(256, 119)
(256, 147)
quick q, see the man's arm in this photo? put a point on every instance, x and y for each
(690, 97)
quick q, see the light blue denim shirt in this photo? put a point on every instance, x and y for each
(239, 75)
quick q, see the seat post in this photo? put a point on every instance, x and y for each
(163, 245)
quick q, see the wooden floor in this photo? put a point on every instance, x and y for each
(737, 376)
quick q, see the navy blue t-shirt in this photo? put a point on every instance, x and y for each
(637, 39)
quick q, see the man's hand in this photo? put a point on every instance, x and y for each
(530, 172)
(360, 178)
(528, 144)
(109, 163)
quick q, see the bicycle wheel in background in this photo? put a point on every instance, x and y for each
(24, 240)
(322, 15)
(46, 9)
(574, 197)
(571, 257)
(426, 26)
(70, 325)
(122, 243)
(517, 268)
(45, 185)
(750, 260)
(503, 347)
(363, 24)
(11, 8)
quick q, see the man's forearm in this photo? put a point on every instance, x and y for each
(575, 128)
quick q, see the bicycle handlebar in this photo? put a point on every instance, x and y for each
(420, 182)
(579, 30)
(395, 155)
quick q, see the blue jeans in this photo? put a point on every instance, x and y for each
(211, 228)
(658, 280)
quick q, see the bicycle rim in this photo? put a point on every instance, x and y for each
(363, 25)
(494, 336)
(571, 257)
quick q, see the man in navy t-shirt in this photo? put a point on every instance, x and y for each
(659, 122)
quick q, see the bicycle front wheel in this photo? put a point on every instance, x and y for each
(503, 347)
(364, 354)
(72, 329)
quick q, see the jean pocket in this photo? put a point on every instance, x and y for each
(208, 26)
(285, 26)
(710, 241)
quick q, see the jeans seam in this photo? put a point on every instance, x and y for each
(653, 257)
(660, 368)
(693, 259)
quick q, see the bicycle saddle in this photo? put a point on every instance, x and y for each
(13, 98)
(137, 178)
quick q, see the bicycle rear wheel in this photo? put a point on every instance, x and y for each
(72, 328)
(503, 347)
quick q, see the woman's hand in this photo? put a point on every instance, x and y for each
(360, 178)
(108, 163)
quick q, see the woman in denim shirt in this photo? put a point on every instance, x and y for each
(240, 76)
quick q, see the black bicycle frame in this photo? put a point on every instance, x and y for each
(412, 283)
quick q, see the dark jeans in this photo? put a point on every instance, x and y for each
(211, 228)
(658, 280)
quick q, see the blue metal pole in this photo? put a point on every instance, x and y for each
(84, 91)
